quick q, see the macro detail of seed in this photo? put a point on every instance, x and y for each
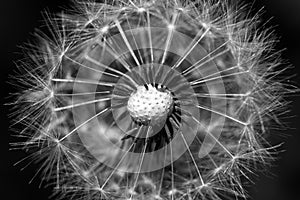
(147, 104)
(150, 100)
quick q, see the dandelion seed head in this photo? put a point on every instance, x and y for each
(138, 99)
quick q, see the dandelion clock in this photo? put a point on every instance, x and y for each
(150, 100)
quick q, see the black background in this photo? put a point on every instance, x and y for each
(20, 17)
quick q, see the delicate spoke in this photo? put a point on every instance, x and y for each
(163, 172)
(81, 104)
(170, 36)
(190, 48)
(116, 56)
(83, 82)
(112, 69)
(84, 123)
(172, 166)
(187, 146)
(224, 95)
(130, 1)
(209, 156)
(142, 159)
(222, 114)
(134, 40)
(217, 77)
(212, 135)
(197, 65)
(217, 73)
(83, 93)
(212, 96)
(126, 41)
(120, 161)
(149, 35)
(90, 68)
(209, 133)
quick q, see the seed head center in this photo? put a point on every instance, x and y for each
(149, 104)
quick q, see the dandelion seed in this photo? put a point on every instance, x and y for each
(139, 99)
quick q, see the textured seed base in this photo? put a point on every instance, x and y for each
(149, 104)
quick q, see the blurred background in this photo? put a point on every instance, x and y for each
(19, 18)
